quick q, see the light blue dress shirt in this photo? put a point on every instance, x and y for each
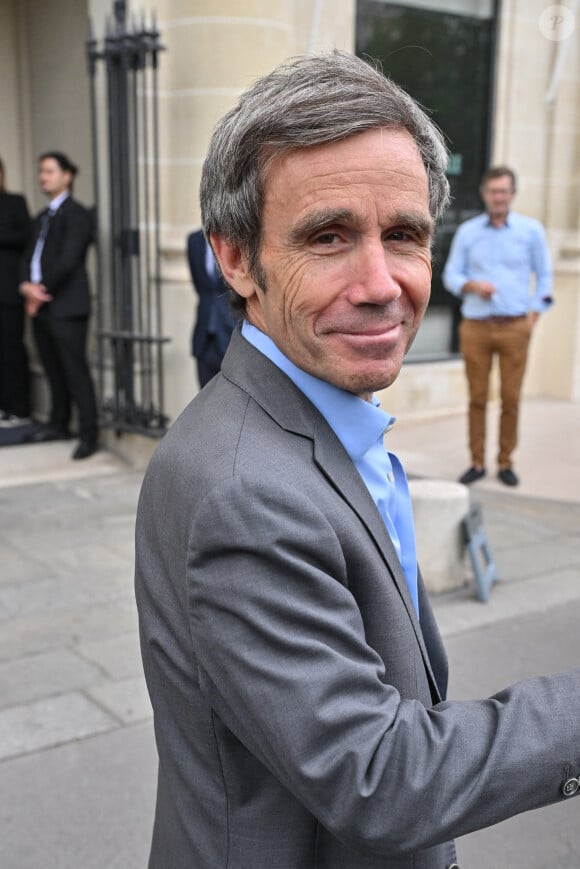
(360, 427)
(210, 265)
(506, 256)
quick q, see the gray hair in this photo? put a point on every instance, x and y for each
(311, 100)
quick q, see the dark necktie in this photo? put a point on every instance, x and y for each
(35, 269)
(44, 224)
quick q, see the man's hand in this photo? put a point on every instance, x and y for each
(480, 288)
(35, 295)
(532, 319)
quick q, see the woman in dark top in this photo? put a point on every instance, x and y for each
(14, 378)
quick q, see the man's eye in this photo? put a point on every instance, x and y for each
(399, 235)
(326, 238)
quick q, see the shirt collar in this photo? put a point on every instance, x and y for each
(508, 220)
(356, 423)
(55, 203)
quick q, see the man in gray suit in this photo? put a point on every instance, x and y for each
(296, 672)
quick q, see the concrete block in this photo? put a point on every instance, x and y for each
(127, 700)
(119, 656)
(92, 559)
(42, 631)
(27, 679)
(439, 507)
(50, 722)
(53, 594)
(84, 805)
(16, 567)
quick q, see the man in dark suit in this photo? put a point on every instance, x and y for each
(14, 375)
(214, 320)
(296, 672)
(55, 285)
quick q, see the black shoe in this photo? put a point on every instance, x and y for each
(507, 476)
(85, 448)
(471, 475)
(45, 433)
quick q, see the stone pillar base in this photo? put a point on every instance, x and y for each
(439, 508)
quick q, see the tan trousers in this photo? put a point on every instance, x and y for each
(480, 340)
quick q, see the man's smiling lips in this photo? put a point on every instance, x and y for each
(378, 331)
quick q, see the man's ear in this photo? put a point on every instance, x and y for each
(234, 266)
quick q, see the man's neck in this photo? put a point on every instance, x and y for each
(498, 220)
(58, 199)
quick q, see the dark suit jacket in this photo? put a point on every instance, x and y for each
(299, 709)
(214, 316)
(14, 234)
(63, 259)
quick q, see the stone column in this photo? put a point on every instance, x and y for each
(537, 93)
(215, 49)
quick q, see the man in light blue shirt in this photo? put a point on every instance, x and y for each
(492, 259)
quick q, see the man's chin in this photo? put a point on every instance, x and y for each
(365, 382)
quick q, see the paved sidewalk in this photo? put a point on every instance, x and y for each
(77, 756)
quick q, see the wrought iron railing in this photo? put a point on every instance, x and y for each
(123, 73)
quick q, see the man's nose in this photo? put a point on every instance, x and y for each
(375, 275)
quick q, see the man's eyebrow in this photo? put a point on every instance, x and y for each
(422, 225)
(418, 222)
(318, 220)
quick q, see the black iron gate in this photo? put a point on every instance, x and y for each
(123, 79)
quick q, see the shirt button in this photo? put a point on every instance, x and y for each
(570, 787)
(391, 477)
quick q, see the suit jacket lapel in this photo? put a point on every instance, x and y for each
(339, 469)
(290, 408)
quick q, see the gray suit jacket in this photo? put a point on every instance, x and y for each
(299, 709)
